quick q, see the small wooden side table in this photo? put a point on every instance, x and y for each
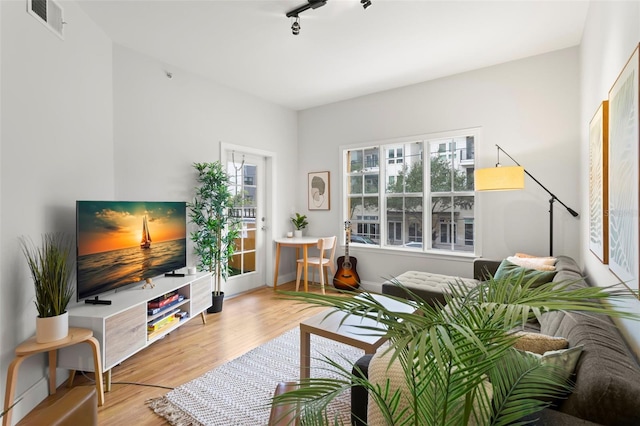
(297, 242)
(31, 347)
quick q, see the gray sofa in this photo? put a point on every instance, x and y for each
(607, 377)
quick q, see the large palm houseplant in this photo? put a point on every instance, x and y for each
(458, 363)
(52, 267)
(216, 227)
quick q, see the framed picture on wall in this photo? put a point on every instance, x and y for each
(624, 253)
(599, 183)
(319, 191)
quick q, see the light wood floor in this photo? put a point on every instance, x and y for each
(247, 321)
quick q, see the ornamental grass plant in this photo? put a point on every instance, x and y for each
(51, 266)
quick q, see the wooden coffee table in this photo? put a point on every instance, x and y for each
(331, 328)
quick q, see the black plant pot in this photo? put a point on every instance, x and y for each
(216, 299)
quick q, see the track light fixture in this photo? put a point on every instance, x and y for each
(312, 4)
(295, 27)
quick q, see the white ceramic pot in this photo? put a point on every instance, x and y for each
(52, 328)
(297, 233)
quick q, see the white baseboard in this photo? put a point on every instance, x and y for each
(35, 395)
(29, 399)
(286, 278)
(372, 287)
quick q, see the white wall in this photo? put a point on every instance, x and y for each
(162, 126)
(529, 107)
(611, 34)
(57, 117)
(84, 119)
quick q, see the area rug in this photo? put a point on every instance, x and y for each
(239, 392)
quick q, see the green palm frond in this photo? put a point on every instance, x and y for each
(522, 386)
(457, 359)
(311, 397)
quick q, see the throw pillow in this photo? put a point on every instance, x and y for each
(564, 359)
(531, 263)
(380, 372)
(508, 270)
(549, 260)
(539, 343)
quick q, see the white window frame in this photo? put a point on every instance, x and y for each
(383, 179)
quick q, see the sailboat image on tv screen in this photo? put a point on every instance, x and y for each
(145, 243)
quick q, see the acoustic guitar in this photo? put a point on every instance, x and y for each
(346, 277)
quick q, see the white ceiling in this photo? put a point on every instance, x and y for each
(342, 51)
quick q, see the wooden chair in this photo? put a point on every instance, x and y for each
(325, 261)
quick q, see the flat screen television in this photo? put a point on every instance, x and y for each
(119, 243)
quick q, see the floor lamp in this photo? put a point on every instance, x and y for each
(500, 178)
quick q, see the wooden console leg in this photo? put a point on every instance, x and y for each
(204, 317)
(72, 376)
(108, 380)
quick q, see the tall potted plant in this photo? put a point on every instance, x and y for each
(51, 267)
(217, 228)
(446, 356)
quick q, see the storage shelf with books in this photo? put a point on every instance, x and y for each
(164, 312)
(167, 327)
(122, 328)
(154, 311)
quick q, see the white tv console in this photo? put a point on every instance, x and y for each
(121, 327)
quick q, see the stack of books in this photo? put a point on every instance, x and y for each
(164, 302)
(165, 311)
(163, 320)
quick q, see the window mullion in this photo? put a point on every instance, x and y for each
(382, 195)
(427, 217)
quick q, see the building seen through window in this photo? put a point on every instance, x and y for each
(420, 197)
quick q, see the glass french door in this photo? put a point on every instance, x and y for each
(247, 174)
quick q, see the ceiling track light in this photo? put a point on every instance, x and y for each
(295, 27)
(312, 4)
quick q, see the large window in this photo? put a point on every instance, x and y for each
(425, 183)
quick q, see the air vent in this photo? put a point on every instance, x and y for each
(49, 13)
